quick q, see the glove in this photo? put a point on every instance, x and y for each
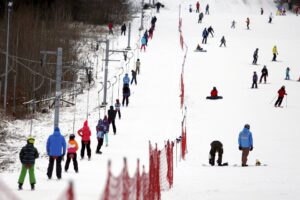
(251, 148)
(240, 148)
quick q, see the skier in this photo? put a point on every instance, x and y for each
(214, 94)
(85, 134)
(151, 32)
(56, 150)
(261, 11)
(264, 74)
(270, 18)
(158, 5)
(105, 129)
(245, 143)
(118, 108)
(133, 74)
(126, 79)
(211, 31)
(281, 93)
(223, 41)
(126, 94)
(233, 24)
(71, 153)
(190, 8)
(248, 23)
(153, 21)
(254, 80)
(197, 7)
(138, 66)
(200, 17)
(146, 36)
(100, 135)
(287, 73)
(207, 9)
(111, 113)
(144, 43)
(110, 28)
(27, 156)
(123, 29)
(216, 146)
(204, 35)
(255, 56)
(275, 53)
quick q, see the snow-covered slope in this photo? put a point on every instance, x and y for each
(153, 113)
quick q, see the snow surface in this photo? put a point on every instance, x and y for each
(153, 113)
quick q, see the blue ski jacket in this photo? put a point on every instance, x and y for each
(245, 138)
(56, 144)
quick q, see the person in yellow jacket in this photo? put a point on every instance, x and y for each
(71, 153)
(275, 53)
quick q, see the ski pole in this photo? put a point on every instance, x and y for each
(286, 101)
(273, 99)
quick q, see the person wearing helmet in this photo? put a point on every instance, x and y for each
(100, 135)
(118, 107)
(111, 113)
(27, 156)
(245, 141)
(71, 153)
(214, 94)
(281, 93)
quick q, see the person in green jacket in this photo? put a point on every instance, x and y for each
(27, 155)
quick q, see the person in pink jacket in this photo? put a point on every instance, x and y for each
(85, 134)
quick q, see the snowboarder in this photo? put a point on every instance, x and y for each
(27, 156)
(264, 74)
(211, 31)
(56, 150)
(270, 18)
(105, 129)
(254, 80)
(200, 17)
(100, 135)
(110, 28)
(275, 53)
(71, 153)
(126, 94)
(233, 24)
(123, 29)
(204, 35)
(85, 134)
(255, 56)
(144, 43)
(197, 7)
(216, 146)
(138, 66)
(199, 48)
(158, 5)
(118, 108)
(214, 94)
(287, 73)
(261, 11)
(111, 113)
(248, 23)
(245, 143)
(126, 79)
(223, 41)
(133, 74)
(207, 9)
(281, 93)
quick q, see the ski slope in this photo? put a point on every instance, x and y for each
(154, 114)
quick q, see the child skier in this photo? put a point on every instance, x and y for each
(27, 155)
(71, 153)
(85, 134)
(100, 135)
(118, 107)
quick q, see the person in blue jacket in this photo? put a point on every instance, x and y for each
(245, 143)
(126, 80)
(56, 149)
(204, 36)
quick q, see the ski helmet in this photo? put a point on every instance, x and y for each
(247, 126)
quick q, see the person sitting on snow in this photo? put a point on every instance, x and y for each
(198, 48)
(214, 94)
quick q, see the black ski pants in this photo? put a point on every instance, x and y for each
(73, 157)
(204, 40)
(263, 76)
(133, 79)
(99, 145)
(125, 99)
(87, 145)
(274, 57)
(254, 84)
(212, 154)
(279, 101)
(254, 60)
(58, 166)
(113, 123)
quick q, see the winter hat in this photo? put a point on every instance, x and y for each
(117, 100)
(85, 123)
(247, 126)
(72, 136)
(214, 88)
(111, 107)
(105, 117)
(30, 140)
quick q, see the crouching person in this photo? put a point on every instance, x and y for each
(28, 155)
(216, 147)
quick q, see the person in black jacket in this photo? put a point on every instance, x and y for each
(264, 74)
(223, 41)
(27, 155)
(123, 29)
(255, 56)
(126, 94)
(210, 31)
(133, 74)
(111, 118)
(254, 80)
(216, 146)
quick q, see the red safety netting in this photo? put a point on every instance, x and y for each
(69, 193)
(183, 140)
(182, 91)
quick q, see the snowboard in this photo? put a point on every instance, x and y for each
(200, 50)
(250, 165)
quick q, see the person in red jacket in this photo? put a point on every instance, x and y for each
(85, 134)
(281, 93)
(110, 28)
(214, 94)
(197, 7)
